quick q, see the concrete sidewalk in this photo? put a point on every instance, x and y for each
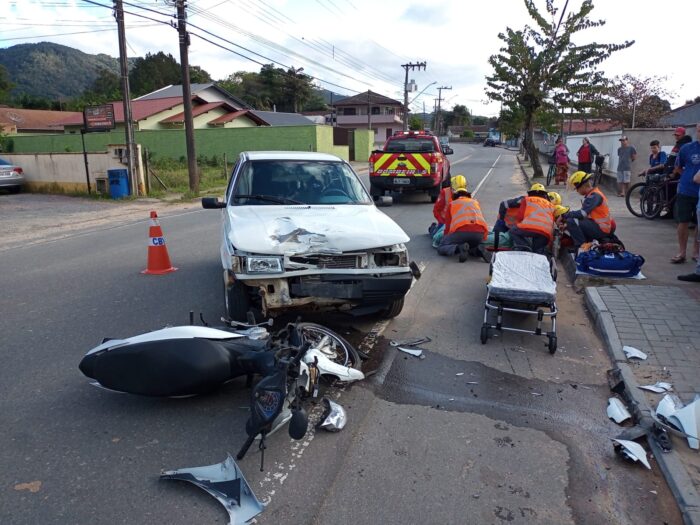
(660, 316)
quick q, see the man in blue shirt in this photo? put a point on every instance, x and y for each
(687, 164)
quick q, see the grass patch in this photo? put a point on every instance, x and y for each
(175, 176)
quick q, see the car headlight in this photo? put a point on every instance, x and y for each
(255, 264)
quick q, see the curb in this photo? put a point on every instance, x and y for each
(669, 462)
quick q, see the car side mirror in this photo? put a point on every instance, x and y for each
(384, 200)
(212, 203)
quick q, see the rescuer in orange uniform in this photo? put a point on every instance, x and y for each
(509, 211)
(534, 229)
(593, 221)
(465, 227)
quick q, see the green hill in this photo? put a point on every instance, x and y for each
(52, 71)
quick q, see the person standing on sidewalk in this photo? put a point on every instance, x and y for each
(561, 159)
(688, 165)
(626, 154)
(585, 154)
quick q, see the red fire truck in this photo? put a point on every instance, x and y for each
(410, 161)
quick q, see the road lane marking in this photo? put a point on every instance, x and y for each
(461, 160)
(478, 186)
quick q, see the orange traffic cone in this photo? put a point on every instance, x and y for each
(158, 258)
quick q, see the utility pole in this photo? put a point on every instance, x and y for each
(184, 38)
(439, 120)
(126, 97)
(408, 66)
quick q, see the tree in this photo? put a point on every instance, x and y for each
(5, 85)
(543, 64)
(415, 123)
(153, 72)
(636, 101)
(460, 116)
(105, 88)
(479, 120)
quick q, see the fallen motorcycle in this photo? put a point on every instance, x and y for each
(190, 360)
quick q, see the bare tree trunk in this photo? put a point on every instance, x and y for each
(531, 147)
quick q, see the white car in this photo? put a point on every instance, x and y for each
(300, 231)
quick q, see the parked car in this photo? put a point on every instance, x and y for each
(300, 231)
(11, 176)
(492, 142)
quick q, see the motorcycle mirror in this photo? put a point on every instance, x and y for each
(298, 424)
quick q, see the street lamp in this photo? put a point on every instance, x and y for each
(422, 91)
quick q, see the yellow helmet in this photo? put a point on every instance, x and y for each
(537, 187)
(554, 198)
(578, 178)
(560, 210)
(458, 182)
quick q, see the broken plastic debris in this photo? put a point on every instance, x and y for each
(631, 451)
(413, 351)
(632, 352)
(410, 342)
(459, 374)
(334, 416)
(688, 419)
(226, 483)
(668, 406)
(472, 382)
(536, 394)
(659, 388)
(617, 410)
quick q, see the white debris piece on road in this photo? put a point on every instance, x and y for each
(417, 352)
(688, 419)
(631, 451)
(617, 410)
(658, 388)
(632, 352)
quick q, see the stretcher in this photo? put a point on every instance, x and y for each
(521, 283)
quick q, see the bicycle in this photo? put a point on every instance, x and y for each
(657, 198)
(650, 207)
(552, 170)
(598, 173)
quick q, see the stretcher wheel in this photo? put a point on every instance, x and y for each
(484, 333)
(552, 343)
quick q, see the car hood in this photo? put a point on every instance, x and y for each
(280, 230)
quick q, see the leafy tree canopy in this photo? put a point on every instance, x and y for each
(636, 101)
(542, 64)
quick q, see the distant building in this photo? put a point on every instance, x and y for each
(33, 121)
(382, 114)
(687, 115)
(593, 125)
(212, 107)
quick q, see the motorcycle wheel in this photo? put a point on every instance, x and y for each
(337, 349)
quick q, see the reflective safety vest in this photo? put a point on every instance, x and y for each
(538, 216)
(601, 213)
(442, 205)
(466, 211)
(511, 216)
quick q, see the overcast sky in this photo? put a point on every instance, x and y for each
(354, 45)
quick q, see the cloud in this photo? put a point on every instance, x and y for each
(429, 16)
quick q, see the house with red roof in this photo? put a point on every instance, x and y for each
(15, 121)
(212, 107)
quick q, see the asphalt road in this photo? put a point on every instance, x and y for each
(502, 432)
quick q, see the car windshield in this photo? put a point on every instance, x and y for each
(270, 182)
(3, 162)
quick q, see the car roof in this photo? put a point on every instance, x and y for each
(291, 155)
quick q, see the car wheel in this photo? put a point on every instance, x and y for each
(393, 309)
(236, 301)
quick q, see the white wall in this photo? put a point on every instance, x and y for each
(65, 170)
